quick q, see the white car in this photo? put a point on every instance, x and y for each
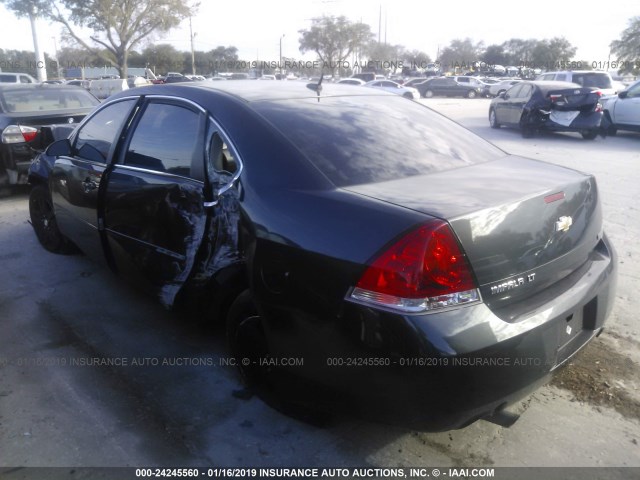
(623, 110)
(393, 87)
(585, 78)
(502, 86)
(351, 81)
(10, 77)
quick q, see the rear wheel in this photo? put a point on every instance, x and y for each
(589, 134)
(44, 222)
(612, 131)
(493, 119)
(247, 342)
(472, 94)
(249, 348)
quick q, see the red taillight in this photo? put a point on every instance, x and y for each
(18, 134)
(423, 267)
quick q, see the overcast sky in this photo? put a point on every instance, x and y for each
(255, 27)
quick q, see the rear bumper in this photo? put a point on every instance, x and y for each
(584, 121)
(444, 370)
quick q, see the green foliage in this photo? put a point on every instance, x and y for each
(333, 39)
(118, 25)
(546, 54)
(627, 48)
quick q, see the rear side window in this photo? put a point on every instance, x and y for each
(168, 139)
(7, 79)
(28, 99)
(592, 79)
(95, 138)
(362, 139)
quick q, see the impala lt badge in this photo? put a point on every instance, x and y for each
(513, 283)
(564, 224)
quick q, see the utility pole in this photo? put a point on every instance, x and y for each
(280, 64)
(41, 67)
(379, 24)
(193, 52)
(55, 48)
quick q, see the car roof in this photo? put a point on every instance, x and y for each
(253, 91)
(548, 85)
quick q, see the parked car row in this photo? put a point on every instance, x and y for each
(546, 105)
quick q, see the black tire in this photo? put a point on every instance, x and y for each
(472, 94)
(248, 345)
(589, 134)
(247, 342)
(493, 119)
(612, 131)
(44, 222)
(408, 95)
(428, 93)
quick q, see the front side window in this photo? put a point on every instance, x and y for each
(634, 91)
(167, 139)
(514, 92)
(96, 137)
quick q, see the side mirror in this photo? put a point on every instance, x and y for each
(623, 94)
(59, 148)
(503, 95)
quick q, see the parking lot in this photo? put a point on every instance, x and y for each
(61, 406)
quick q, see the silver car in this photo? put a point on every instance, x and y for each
(393, 87)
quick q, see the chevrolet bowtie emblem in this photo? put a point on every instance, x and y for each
(564, 224)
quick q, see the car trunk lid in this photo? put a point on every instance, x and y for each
(523, 224)
(573, 99)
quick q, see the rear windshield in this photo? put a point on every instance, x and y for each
(592, 79)
(31, 100)
(370, 139)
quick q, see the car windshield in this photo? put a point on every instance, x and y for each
(30, 100)
(357, 140)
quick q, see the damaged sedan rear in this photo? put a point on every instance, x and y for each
(548, 106)
(31, 117)
(418, 274)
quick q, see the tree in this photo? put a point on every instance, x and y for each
(627, 48)
(31, 9)
(334, 39)
(163, 58)
(518, 51)
(494, 55)
(222, 59)
(552, 54)
(460, 54)
(118, 25)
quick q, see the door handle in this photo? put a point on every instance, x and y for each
(89, 185)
